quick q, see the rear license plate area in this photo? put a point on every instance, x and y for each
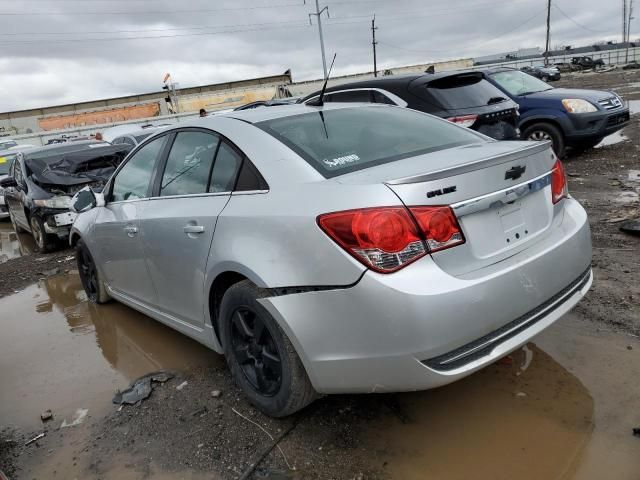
(513, 223)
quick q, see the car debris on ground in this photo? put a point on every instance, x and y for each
(141, 388)
(78, 418)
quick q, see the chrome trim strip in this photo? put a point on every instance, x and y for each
(541, 313)
(502, 197)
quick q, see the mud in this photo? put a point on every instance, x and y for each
(563, 407)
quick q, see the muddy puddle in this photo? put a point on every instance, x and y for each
(528, 418)
(14, 244)
(60, 352)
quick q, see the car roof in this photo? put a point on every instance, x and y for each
(262, 114)
(133, 133)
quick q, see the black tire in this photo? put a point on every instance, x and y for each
(545, 78)
(546, 131)
(262, 360)
(44, 242)
(90, 276)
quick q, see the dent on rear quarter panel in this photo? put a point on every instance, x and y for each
(275, 237)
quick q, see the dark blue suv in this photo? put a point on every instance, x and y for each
(568, 117)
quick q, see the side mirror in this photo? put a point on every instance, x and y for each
(85, 200)
(8, 182)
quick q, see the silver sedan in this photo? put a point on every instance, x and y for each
(335, 249)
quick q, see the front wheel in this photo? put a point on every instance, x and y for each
(262, 360)
(90, 275)
(44, 242)
(546, 131)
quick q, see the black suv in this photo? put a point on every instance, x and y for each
(462, 97)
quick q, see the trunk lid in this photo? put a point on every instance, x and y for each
(499, 191)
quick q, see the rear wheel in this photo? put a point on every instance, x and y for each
(90, 275)
(546, 131)
(261, 358)
(44, 241)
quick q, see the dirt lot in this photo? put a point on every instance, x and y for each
(562, 407)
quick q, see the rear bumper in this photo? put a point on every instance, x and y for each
(398, 332)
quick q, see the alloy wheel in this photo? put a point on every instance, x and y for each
(88, 274)
(256, 351)
(539, 135)
(38, 234)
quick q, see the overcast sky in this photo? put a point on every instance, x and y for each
(61, 51)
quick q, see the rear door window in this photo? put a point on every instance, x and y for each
(464, 91)
(189, 164)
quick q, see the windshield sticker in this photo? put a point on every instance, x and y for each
(341, 161)
(3, 160)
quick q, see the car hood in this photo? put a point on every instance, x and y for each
(561, 93)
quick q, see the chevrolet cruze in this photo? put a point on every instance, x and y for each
(338, 248)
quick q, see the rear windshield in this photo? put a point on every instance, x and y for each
(519, 83)
(464, 91)
(335, 142)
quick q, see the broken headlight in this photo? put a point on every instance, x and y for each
(54, 202)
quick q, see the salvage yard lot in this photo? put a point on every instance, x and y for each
(550, 410)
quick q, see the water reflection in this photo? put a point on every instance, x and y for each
(60, 352)
(12, 244)
(132, 343)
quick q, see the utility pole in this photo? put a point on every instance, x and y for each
(318, 15)
(626, 55)
(374, 43)
(624, 21)
(546, 50)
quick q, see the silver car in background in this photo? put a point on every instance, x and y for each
(340, 248)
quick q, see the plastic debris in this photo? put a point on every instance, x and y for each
(182, 385)
(46, 416)
(78, 418)
(216, 393)
(35, 439)
(141, 388)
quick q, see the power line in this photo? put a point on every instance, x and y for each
(147, 12)
(575, 22)
(474, 46)
(206, 27)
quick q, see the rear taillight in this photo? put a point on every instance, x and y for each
(386, 239)
(559, 188)
(439, 227)
(464, 120)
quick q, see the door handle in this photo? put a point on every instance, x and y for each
(189, 229)
(131, 231)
